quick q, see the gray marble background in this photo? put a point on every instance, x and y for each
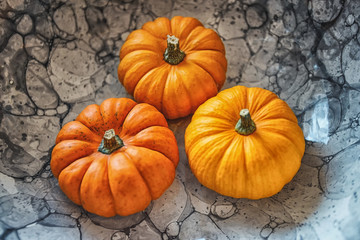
(57, 56)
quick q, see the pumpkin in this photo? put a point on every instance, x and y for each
(115, 157)
(174, 65)
(244, 143)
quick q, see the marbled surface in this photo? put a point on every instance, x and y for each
(57, 56)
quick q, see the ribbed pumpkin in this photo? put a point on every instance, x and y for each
(115, 158)
(244, 143)
(174, 65)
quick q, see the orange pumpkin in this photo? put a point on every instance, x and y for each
(115, 158)
(174, 65)
(252, 156)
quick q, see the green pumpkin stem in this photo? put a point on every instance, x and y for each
(245, 125)
(173, 55)
(110, 142)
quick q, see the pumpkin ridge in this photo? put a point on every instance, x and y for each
(244, 156)
(81, 181)
(111, 191)
(112, 111)
(239, 141)
(162, 71)
(132, 43)
(99, 161)
(57, 163)
(208, 49)
(255, 91)
(188, 38)
(209, 133)
(266, 108)
(108, 169)
(145, 75)
(211, 76)
(193, 37)
(90, 117)
(269, 152)
(126, 174)
(181, 27)
(152, 26)
(179, 80)
(158, 37)
(222, 117)
(134, 138)
(248, 164)
(102, 116)
(141, 130)
(224, 67)
(282, 134)
(163, 92)
(154, 151)
(195, 142)
(215, 118)
(200, 80)
(221, 160)
(141, 109)
(284, 177)
(259, 121)
(201, 50)
(201, 174)
(132, 71)
(149, 161)
(128, 157)
(225, 101)
(72, 136)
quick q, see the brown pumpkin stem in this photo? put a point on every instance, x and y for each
(245, 125)
(110, 142)
(173, 55)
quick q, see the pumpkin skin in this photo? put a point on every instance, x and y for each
(124, 181)
(251, 166)
(175, 89)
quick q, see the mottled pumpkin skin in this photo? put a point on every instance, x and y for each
(125, 181)
(175, 90)
(254, 166)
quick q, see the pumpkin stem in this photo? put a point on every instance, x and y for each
(245, 125)
(173, 55)
(110, 142)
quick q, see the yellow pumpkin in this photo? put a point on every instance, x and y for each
(248, 156)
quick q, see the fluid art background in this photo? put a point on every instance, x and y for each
(57, 57)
